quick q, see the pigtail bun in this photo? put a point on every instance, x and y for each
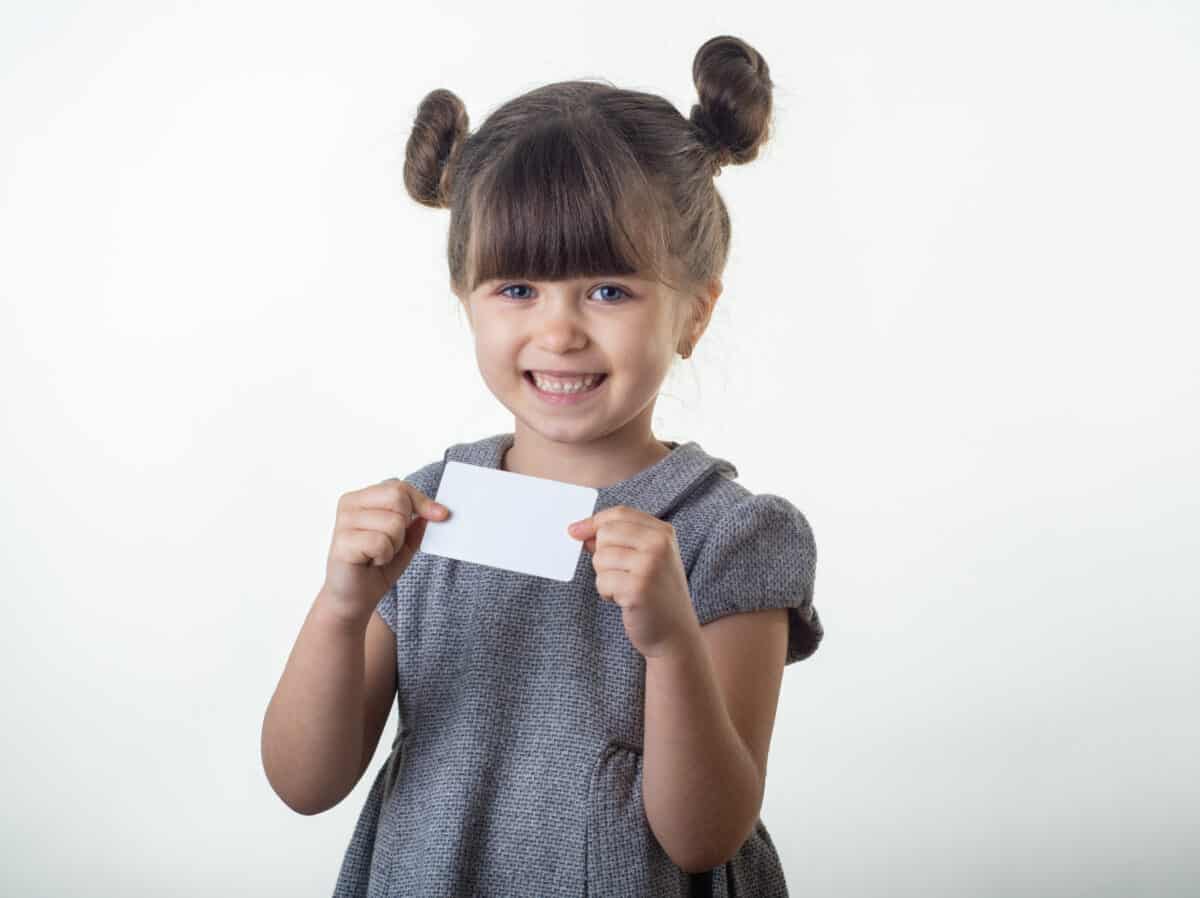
(437, 137)
(734, 112)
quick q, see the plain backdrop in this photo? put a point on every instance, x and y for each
(958, 331)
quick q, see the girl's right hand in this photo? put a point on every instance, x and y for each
(377, 531)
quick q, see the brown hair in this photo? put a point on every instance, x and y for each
(548, 187)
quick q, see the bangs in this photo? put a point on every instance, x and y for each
(550, 210)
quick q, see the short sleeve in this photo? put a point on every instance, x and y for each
(426, 480)
(760, 554)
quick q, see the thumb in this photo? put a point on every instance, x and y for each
(423, 505)
(412, 543)
(430, 509)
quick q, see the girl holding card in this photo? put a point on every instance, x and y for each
(605, 735)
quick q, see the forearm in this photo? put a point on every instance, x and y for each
(701, 786)
(312, 733)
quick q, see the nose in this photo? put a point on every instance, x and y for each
(557, 324)
(559, 336)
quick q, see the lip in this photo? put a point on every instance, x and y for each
(562, 373)
(563, 398)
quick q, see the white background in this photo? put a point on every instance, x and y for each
(959, 331)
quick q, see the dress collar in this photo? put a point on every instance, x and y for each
(655, 490)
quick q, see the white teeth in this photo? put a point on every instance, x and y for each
(564, 385)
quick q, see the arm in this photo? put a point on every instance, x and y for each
(701, 787)
(313, 732)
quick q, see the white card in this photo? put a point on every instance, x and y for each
(509, 520)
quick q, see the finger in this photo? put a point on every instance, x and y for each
(611, 583)
(415, 534)
(363, 547)
(617, 558)
(399, 495)
(632, 534)
(391, 523)
(621, 513)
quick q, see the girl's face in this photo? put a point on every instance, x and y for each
(626, 327)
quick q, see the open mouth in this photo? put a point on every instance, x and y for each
(603, 376)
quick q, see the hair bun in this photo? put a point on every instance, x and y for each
(437, 136)
(734, 112)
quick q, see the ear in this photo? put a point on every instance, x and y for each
(703, 304)
(715, 288)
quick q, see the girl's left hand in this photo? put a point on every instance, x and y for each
(638, 567)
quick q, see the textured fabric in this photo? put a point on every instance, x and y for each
(517, 765)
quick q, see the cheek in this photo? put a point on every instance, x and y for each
(494, 356)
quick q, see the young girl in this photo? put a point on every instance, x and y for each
(607, 736)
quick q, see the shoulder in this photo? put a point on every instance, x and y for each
(738, 532)
(726, 512)
(745, 551)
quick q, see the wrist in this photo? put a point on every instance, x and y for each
(686, 645)
(331, 613)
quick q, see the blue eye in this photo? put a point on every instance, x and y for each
(613, 287)
(504, 292)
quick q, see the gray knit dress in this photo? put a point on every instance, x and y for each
(516, 771)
